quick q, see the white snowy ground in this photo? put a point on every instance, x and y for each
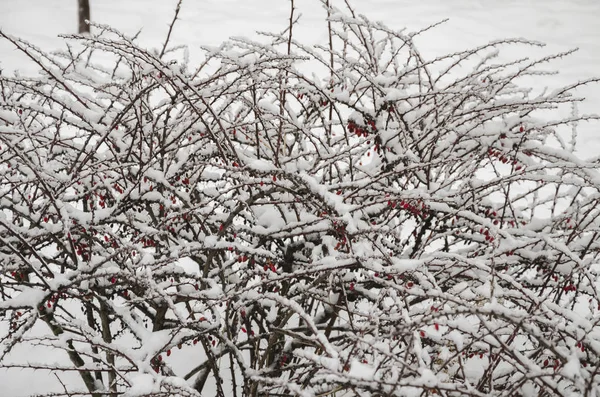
(562, 24)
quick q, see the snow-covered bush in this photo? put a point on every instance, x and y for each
(386, 226)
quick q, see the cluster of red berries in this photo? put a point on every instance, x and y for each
(340, 231)
(555, 365)
(504, 159)
(472, 354)
(16, 315)
(568, 223)
(185, 180)
(244, 330)
(148, 242)
(494, 216)
(52, 300)
(173, 199)
(80, 249)
(170, 229)
(486, 233)
(101, 198)
(283, 360)
(270, 266)
(341, 243)
(389, 107)
(359, 131)
(417, 208)
(156, 363)
(112, 242)
(150, 188)
(118, 188)
(18, 275)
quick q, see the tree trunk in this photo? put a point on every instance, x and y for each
(84, 14)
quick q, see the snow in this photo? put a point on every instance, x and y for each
(572, 368)
(456, 338)
(361, 370)
(562, 24)
(141, 384)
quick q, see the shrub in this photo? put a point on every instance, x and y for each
(395, 226)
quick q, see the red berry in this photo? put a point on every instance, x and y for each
(168, 352)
